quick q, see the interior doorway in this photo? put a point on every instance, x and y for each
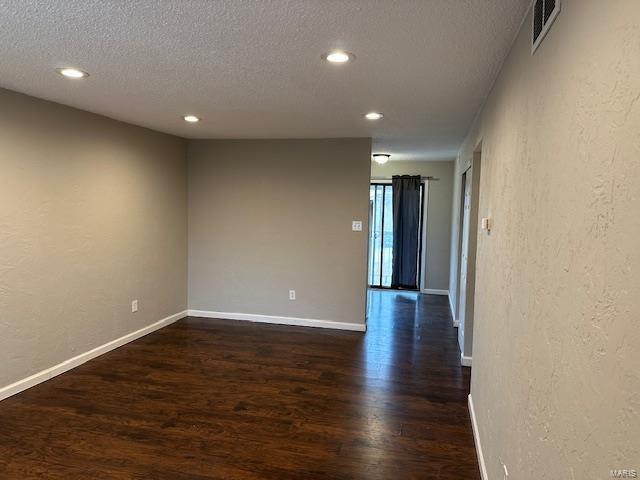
(461, 217)
(467, 246)
(381, 229)
(465, 295)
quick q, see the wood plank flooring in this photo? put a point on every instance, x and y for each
(217, 399)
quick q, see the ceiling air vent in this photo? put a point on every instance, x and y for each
(544, 13)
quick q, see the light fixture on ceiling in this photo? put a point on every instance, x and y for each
(381, 158)
(338, 56)
(374, 116)
(70, 72)
(191, 119)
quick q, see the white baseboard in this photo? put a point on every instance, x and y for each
(299, 322)
(56, 370)
(434, 291)
(465, 361)
(476, 439)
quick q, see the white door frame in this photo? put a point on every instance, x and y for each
(463, 294)
(469, 245)
(423, 240)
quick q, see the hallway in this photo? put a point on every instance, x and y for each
(217, 399)
(412, 352)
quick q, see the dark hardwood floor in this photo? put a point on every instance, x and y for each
(216, 399)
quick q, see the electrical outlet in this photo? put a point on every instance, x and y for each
(134, 306)
(356, 225)
(292, 294)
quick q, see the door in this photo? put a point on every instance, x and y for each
(464, 255)
(381, 234)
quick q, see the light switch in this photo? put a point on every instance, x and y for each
(356, 225)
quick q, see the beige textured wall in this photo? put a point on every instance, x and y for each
(438, 212)
(92, 215)
(556, 378)
(267, 216)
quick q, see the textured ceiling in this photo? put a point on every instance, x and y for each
(252, 69)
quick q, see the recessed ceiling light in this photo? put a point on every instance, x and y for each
(374, 116)
(71, 72)
(381, 158)
(338, 56)
(191, 118)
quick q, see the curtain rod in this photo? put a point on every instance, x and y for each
(421, 176)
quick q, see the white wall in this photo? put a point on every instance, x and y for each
(555, 378)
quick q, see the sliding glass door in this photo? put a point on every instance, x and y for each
(381, 234)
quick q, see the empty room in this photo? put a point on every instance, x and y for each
(319, 239)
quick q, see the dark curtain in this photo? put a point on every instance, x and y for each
(406, 219)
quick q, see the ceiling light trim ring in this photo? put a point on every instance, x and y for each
(72, 72)
(349, 57)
